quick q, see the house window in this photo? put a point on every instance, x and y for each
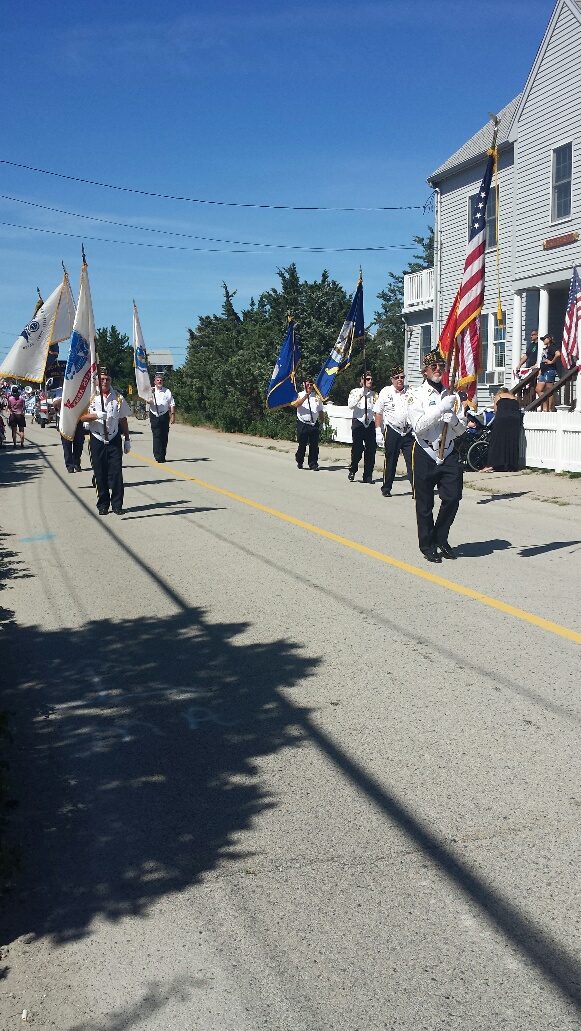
(499, 342)
(483, 348)
(562, 175)
(426, 340)
(490, 216)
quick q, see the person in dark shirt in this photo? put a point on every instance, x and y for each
(529, 358)
(550, 355)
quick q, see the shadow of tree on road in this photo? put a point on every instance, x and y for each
(144, 734)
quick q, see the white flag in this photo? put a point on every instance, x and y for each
(140, 360)
(81, 363)
(52, 323)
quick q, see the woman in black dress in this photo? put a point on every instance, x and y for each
(505, 434)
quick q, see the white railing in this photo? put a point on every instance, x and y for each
(418, 290)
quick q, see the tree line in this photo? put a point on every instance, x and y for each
(230, 356)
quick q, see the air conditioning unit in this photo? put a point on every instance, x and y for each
(495, 377)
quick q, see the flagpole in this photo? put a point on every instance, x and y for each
(364, 357)
(99, 380)
(454, 349)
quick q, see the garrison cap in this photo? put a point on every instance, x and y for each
(396, 370)
(433, 356)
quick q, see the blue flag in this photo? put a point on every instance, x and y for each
(340, 357)
(282, 390)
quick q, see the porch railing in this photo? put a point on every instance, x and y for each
(564, 390)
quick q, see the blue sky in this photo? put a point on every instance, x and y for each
(320, 104)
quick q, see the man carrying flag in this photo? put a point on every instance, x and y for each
(352, 330)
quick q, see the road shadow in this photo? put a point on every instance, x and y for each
(478, 549)
(143, 735)
(503, 497)
(178, 461)
(19, 465)
(164, 506)
(174, 511)
(543, 549)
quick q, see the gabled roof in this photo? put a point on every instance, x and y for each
(475, 149)
(574, 6)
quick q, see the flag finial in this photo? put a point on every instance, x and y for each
(84, 256)
(64, 269)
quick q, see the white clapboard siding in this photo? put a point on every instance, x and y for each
(550, 117)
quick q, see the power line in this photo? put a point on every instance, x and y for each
(211, 250)
(183, 236)
(198, 200)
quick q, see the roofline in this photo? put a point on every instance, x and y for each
(477, 159)
(575, 10)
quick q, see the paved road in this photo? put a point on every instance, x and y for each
(285, 779)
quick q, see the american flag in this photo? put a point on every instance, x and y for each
(463, 322)
(572, 327)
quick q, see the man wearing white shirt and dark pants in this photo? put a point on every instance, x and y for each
(391, 419)
(106, 418)
(431, 408)
(361, 401)
(161, 416)
(309, 410)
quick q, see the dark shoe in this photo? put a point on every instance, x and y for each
(350, 476)
(118, 511)
(446, 551)
(299, 465)
(386, 493)
(21, 443)
(71, 470)
(103, 511)
(368, 479)
(77, 469)
(314, 468)
(431, 555)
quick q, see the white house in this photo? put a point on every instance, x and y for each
(539, 174)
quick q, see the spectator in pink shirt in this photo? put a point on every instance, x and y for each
(16, 418)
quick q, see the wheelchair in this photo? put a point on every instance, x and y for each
(472, 448)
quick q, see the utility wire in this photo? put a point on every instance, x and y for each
(183, 236)
(210, 250)
(197, 200)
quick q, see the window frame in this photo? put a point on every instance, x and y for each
(422, 328)
(495, 341)
(557, 219)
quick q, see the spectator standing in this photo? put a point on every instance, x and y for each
(550, 355)
(503, 450)
(16, 418)
(529, 358)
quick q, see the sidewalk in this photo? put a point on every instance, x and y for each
(537, 485)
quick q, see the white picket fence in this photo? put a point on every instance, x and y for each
(551, 440)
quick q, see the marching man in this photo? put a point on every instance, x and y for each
(106, 418)
(393, 428)
(361, 401)
(162, 410)
(431, 407)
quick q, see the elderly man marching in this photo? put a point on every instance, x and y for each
(106, 419)
(431, 407)
(392, 424)
(361, 401)
(162, 408)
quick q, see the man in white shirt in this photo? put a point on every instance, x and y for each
(161, 416)
(309, 415)
(361, 401)
(391, 420)
(106, 418)
(431, 408)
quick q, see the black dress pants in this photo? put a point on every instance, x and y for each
(307, 433)
(428, 477)
(107, 462)
(73, 449)
(395, 442)
(160, 433)
(363, 438)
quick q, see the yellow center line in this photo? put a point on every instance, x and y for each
(466, 592)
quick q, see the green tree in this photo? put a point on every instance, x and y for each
(116, 353)
(390, 334)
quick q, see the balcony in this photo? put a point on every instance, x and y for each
(418, 290)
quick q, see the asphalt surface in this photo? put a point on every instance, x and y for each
(278, 773)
